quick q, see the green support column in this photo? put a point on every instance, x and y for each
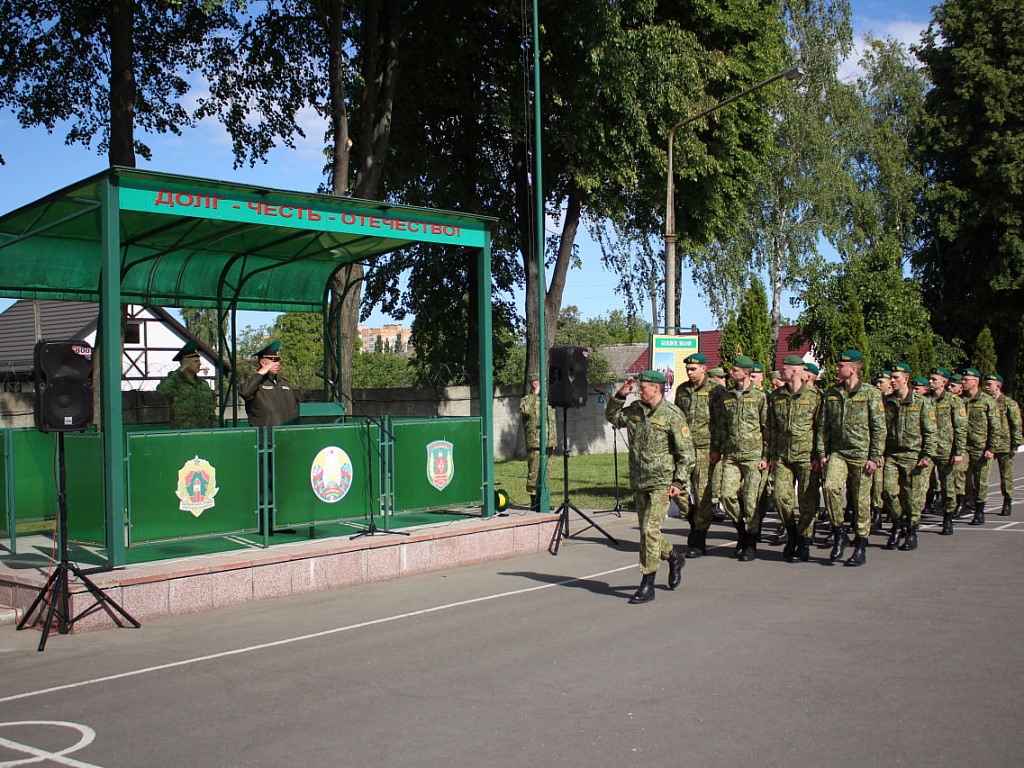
(484, 322)
(111, 421)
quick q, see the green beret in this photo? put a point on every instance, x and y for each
(957, 378)
(900, 367)
(940, 370)
(695, 359)
(744, 362)
(775, 375)
(273, 349)
(812, 368)
(850, 356)
(919, 381)
(971, 372)
(190, 348)
(655, 377)
(717, 373)
(883, 375)
(758, 368)
(994, 377)
(533, 377)
(792, 360)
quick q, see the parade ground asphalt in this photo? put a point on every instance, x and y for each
(915, 659)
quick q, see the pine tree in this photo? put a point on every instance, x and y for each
(983, 353)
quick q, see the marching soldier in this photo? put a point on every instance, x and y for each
(717, 376)
(530, 407)
(883, 383)
(192, 402)
(693, 398)
(956, 384)
(854, 439)
(794, 455)
(1008, 439)
(812, 375)
(982, 433)
(739, 439)
(909, 451)
(660, 462)
(920, 385)
(950, 444)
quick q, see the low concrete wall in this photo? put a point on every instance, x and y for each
(587, 429)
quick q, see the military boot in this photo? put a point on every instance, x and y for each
(675, 569)
(966, 507)
(699, 547)
(979, 514)
(741, 539)
(803, 549)
(839, 547)
(895, 535)
(792, 542)
(947, 525)
(1007, 506)
(859, 556)
(877, 523)
(646, 592)
(910, 542)
(749, 552)
(717, 512)
(534, 503)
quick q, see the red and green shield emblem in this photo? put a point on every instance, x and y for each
(440, 464)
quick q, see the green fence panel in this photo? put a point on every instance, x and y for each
(437, 464)
(6, 508)
(33, 475)
(189, 484)
(326, 473)
(83, 459)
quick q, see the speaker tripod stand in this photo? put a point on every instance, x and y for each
(567, 506)
(57, 586)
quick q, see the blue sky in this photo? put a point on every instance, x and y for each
(38, 163)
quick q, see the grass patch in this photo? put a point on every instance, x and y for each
(591, 480)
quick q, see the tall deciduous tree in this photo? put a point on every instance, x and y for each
(971, 257)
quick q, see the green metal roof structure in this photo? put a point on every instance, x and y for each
(131, 236)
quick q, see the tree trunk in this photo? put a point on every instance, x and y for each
(122, 83)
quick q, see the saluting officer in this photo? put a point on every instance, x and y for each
(660, 462)
(693, 398)
(950, 443)
(268, 396)
(909, 452)
(982, 434)
(1008, 438)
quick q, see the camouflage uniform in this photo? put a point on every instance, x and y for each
(192, 401)
(910, 439)
(529, 406)
(982, 429)
(695, 403)
(794, 443)
(853, 435)
(1007, 440)
(739, 434)
(660, 455)
(269, 400)
(951, 440)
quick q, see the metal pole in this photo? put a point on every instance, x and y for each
(543, 492)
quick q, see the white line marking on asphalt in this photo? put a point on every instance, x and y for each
(86, 737)
(310, 636)
(1004, 526)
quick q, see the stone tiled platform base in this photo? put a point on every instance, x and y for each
(189, 585)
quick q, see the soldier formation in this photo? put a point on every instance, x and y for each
(873, 451)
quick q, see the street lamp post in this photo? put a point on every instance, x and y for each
(670, 206)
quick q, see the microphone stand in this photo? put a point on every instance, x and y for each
(371, 529)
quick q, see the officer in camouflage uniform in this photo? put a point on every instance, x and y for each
(1008, 439)
(910, 449)
(660, 462)
(883, 383)
(951, 442)
(794, 454)
(192, 402)
(529, 407)
(956, 384)
(854, 439)
(982, 434)
(693, 398)
(739, 439)
(268, 396)
(717, 376)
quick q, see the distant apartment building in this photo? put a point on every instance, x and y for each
(392, 338)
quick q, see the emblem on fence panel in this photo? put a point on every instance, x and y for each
(440, 464)
(331, 474)
(197, 485)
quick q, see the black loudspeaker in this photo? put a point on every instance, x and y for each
(63, 386)
(567, 376)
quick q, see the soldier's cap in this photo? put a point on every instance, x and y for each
(919, 381)
(655, 377)
(775, 375)
(812, 368)
(971, 372)
(883, 375)
(758, 368)
(850, 356)
(533, 377)
(717, 373)
(272, 351)
(695, 359)
(744, 362)
(191, 349)
(956, 378)
(900, 368)
(940, 370)
(994, 377)
(792, 360)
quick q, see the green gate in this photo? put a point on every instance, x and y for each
(437, 464)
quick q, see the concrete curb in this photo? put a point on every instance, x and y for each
(8, 616)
